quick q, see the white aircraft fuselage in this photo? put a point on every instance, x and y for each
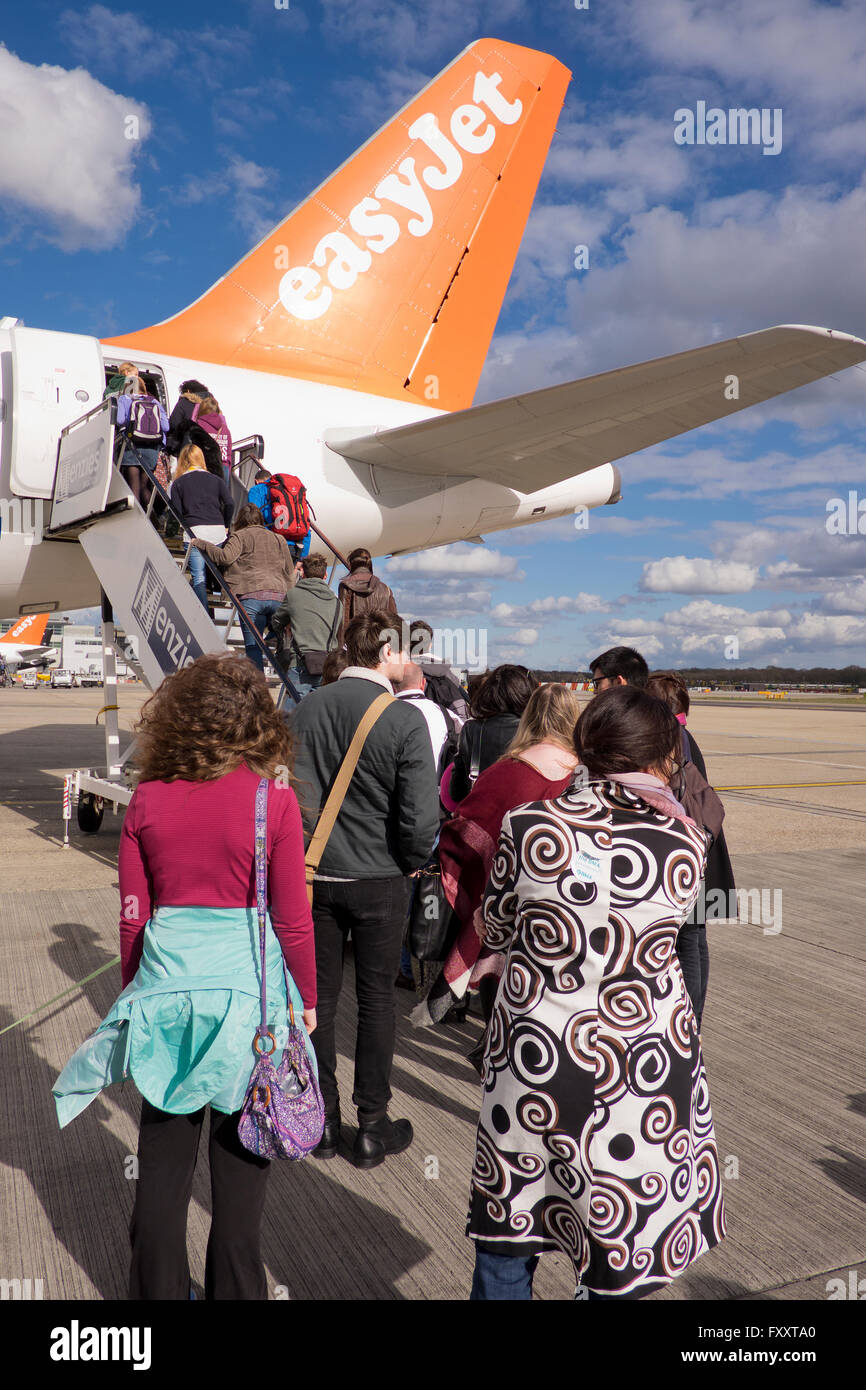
(355, 504)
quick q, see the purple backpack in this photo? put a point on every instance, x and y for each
(283, 1113)
(144, 422)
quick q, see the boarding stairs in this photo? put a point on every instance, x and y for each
(151, 617)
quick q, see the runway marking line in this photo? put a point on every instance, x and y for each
(766, 786)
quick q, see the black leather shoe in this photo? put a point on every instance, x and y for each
(330, 1140)
(375, 1142)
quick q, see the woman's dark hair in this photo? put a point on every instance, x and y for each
(670, 687)
(208, 718)
(248, 515)
(625, 730)
(360, 559)
(506, 690)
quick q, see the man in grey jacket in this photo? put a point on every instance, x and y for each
(385, 830)
(312, 613)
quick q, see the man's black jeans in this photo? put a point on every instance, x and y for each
(374, 910)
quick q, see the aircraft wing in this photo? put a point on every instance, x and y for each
(29, 656)
(532, 441)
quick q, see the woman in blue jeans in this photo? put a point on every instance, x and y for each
(258, 568)
(204, 504)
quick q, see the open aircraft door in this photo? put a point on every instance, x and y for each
(56, 378)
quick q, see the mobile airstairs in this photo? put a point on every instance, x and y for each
(151, 617)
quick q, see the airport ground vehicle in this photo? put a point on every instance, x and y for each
(62, 680)
(92, 676)
(29, 679)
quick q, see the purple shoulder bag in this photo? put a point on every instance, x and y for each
(283, 1113)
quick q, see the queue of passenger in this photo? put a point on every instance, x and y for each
(591, 1059)
(571, 847)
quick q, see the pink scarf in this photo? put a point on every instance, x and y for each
(654, 792)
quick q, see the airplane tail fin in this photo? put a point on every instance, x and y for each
(391, 275)
(30, 630)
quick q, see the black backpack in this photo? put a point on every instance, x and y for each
(451, 744)
(441, 689)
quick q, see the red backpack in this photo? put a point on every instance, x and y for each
(289, 510)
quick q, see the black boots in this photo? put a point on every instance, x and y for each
(374, 1142)
(330, 1140)
(380, 1139)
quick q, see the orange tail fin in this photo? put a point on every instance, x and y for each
(390, 277)
(30, 630)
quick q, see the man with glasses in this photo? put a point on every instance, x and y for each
(619, 666)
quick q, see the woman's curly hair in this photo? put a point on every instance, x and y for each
(208, 718)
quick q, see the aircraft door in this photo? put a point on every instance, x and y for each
(56, 378)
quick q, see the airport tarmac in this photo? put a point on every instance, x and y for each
(783, 1040)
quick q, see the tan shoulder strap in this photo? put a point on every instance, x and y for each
(331, 808)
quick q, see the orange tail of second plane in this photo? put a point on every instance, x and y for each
(28, 631)
(390, 277)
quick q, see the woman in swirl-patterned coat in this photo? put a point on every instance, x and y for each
(595, 1136)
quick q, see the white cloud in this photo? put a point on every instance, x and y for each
(369, 102)
(245, 186)
(812, 52)
(392, 28)
(677, 574)
(106, 38)
(512, 615)
(851, 598)
(101, 37)
(702, 632)
(455, 560)
(65, 158)
(662, 294)
(526, 636)
(647, 644)
(628, 152)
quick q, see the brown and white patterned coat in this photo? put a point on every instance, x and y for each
(595, 1135)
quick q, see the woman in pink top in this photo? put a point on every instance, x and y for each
(184, 1024)
(208, 415)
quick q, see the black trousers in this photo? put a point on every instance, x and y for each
(167, 1150)
(694, 955)
(374, 910)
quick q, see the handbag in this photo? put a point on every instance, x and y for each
(161, 473)
(283, 1113)
(314, 659)
(433, 923)
(331, 809)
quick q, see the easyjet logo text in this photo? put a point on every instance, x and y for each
(302, 289)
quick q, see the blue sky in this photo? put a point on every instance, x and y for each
(243, 108)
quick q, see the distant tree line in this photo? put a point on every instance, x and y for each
(744, 675)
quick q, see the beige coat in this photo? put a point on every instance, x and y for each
(253, 559)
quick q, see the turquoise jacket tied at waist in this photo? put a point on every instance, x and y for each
(183, 1028)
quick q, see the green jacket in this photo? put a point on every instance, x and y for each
(311, 611)
(390, 817)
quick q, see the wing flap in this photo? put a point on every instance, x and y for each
(533, 441)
